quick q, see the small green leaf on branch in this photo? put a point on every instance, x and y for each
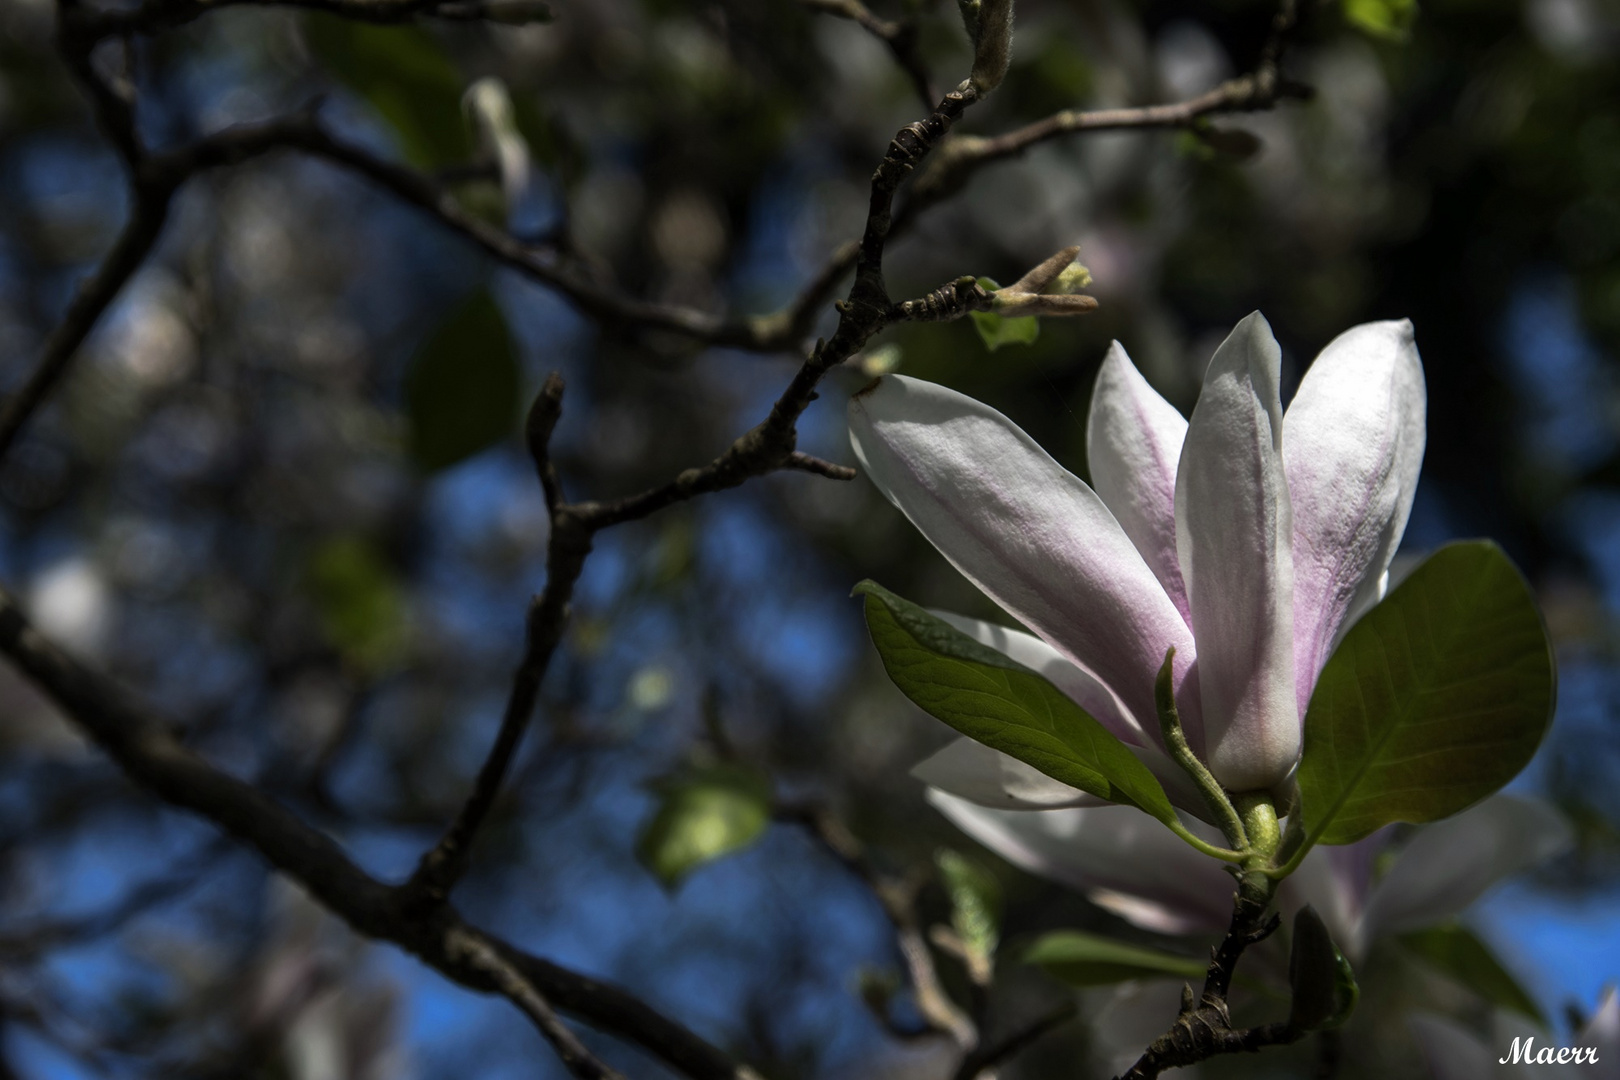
(975, 909)
(703, 816)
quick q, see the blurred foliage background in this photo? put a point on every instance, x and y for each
(283, 493)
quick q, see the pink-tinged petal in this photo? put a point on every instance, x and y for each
(1234, 537)
(1079, 685)
(1451, 1051)
(1133, 444)
(1025, 530)
(1450, 864)
(1109, 853)
(985, 777)
(1352, 445)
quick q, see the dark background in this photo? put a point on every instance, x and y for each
(229, 504)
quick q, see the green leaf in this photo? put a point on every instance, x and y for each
(995, 700)
(1082, 959)
(403, 74)
(997, 330)
(462, 389)
(1388, 19)
(1456, 952)
(1436, 698)
(361, 605)
(701, 817)
(975, 902)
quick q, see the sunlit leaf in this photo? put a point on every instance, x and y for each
(1388, 19)
(402, 73)
(701, 817)
(462, 391)
(1083, 959)
(1436, 698)
(1457, 952)
(975, 902)
(995, 700)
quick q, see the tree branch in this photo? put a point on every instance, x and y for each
(141, 743)
(1204, 1028)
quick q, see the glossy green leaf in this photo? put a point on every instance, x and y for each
(403, 74)
(989, 697)
(1082, 959)
(361, 604)
(975, 902)
(998, 330)
(1436, 698)
(1455, 951)
(462, 392)
(702, 816)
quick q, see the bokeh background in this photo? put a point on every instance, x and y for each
(236, 504)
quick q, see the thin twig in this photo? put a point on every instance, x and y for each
(767, 447)
(517, 987)
(900, 36)
(898, 901)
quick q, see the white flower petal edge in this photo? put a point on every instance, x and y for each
(1026, 531)
(1450, 864)
(1234, 535)
(1133, 445)
(1353, 440)
(1080, 686)
(1107, 852)
(972, 771)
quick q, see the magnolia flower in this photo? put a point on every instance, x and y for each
(1125, 862)
(1245, 539)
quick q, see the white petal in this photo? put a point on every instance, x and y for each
(1107, 851)
(985, 777)
(1352, 444)
(1449, 864)
(1133, 444)
(1234, 538)
(1079, 685)
(1028, 532)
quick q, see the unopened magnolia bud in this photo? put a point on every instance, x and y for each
(1074, 278)
(970, 18)
(992, 45)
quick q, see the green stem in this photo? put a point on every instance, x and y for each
(1225, 854)
(1175, 741)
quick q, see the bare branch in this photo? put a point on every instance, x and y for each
(811, 464)
(514, 985)
(141, 743)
